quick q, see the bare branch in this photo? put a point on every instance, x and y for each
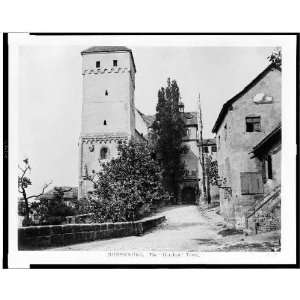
(43, 191)
(24, 171)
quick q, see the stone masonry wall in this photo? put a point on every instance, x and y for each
(268, 217)
(39, 237)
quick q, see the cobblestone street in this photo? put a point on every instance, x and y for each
(187, 229)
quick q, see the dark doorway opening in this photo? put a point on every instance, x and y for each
(188, 195)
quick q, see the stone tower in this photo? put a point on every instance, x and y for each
(108, 110)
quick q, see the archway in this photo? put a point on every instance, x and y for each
(188, 195)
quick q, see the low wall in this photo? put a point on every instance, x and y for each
(268, 216)
(41, 237)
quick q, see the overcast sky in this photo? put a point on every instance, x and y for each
(50, 95)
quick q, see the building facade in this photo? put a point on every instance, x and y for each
(243, 122)
(209, 149)
(108, 109)
(266, 214)
(109, 117)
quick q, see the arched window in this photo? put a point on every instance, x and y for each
(103, 153)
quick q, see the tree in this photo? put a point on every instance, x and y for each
(127, 187)
(54, 210)
(168, 129)
(275, 58)
(23, 184)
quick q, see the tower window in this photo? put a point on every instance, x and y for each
(115, 63)
(103, 153)
(106, 93)
(104, 122)
(98, 64)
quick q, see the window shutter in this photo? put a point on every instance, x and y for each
(264, 177)
(251, 183)
(244, 183)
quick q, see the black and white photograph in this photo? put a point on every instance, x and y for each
(152, 149)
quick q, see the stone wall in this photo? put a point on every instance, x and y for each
(267, 215)
(41, 237)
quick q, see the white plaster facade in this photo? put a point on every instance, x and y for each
(235, 144)
(108, 110)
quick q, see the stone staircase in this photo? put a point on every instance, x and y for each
(265, 216)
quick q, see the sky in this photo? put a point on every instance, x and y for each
(50, 96)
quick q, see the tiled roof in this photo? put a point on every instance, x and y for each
(209, 142)
(96, 49)
(273, 137)
(73, 193)
(148, 119)
(189, 118)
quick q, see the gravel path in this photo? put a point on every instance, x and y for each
(186, 229)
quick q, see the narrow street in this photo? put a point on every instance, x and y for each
(186, 229)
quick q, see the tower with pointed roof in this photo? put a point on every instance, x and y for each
(108, 110)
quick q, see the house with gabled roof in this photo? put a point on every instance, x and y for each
(244, 121)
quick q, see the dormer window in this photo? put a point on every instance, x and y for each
(98, 64)
(115, 63)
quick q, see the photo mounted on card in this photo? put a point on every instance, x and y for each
(147, 151)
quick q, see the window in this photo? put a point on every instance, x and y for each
(214, 149)
(269, 162)
(253, 124)
(106, 93)
(103, 153)
(187, 132)
(205, 149)
(219, 142)
(225, 132)
(251, 183)
(98, 64)
(104, 122)
(115, 63)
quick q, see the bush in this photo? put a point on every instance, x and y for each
(128, 187)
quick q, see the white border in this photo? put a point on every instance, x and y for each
(286, 256)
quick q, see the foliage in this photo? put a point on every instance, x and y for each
(211, 170)
(168, 129)
(53, 211)
(23, 184)
(275, 58)
(128, 186)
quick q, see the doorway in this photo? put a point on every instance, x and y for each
(188, 195)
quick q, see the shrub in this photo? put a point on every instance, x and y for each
(128, 187)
